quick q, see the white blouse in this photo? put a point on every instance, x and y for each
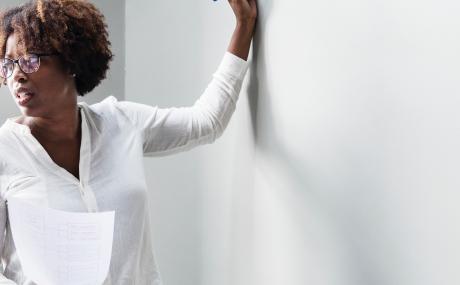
(115, 137)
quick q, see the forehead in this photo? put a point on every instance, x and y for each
(13, 48)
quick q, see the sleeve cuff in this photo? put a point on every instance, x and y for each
(233, 65)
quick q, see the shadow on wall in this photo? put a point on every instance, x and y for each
(305, 189)
(262, 114)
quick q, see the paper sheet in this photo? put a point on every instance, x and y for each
(57, 247)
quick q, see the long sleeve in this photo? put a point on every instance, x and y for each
(171, 130)
(3, 219)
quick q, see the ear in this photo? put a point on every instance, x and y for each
(70, 73)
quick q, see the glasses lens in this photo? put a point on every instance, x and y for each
(29, 63)
(6, 67)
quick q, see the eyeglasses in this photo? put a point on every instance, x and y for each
(28, 64)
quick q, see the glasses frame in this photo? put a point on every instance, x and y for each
(16, 61)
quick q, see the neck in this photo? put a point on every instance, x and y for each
(63, 126)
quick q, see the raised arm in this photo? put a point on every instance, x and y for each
(246, 15)
(170, 130)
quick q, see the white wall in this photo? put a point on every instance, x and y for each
(340, 169)
(7, 106)
(357, 143)
(171, 53)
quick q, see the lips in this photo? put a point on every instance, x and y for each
(23, 100)
(24, 95)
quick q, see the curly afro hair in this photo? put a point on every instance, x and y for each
(74, 29)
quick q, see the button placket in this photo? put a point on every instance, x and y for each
(82, 189)
(85, 157)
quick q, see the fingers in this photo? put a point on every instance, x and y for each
(244, 9)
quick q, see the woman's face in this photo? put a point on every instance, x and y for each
(52, 87)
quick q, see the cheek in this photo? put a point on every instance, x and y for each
(47, 77)
(52, 88)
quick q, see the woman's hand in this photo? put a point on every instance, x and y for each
(246, 15)
(245, 10)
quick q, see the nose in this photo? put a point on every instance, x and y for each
(18, 75)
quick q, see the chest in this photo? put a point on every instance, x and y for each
(65, 154)
(110, 165)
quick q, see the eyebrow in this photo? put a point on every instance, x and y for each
(7, 55)
(10, 56)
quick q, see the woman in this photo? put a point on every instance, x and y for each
(76, 157)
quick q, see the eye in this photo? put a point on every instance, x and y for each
(31, 58)
(28, 56)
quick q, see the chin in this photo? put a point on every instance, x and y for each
(28, 112)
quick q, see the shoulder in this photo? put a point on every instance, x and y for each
(123, 111)
(104, 113)
(10, 144)
(110, 106)
(10, 159)
(103, 107)
(9, 132)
